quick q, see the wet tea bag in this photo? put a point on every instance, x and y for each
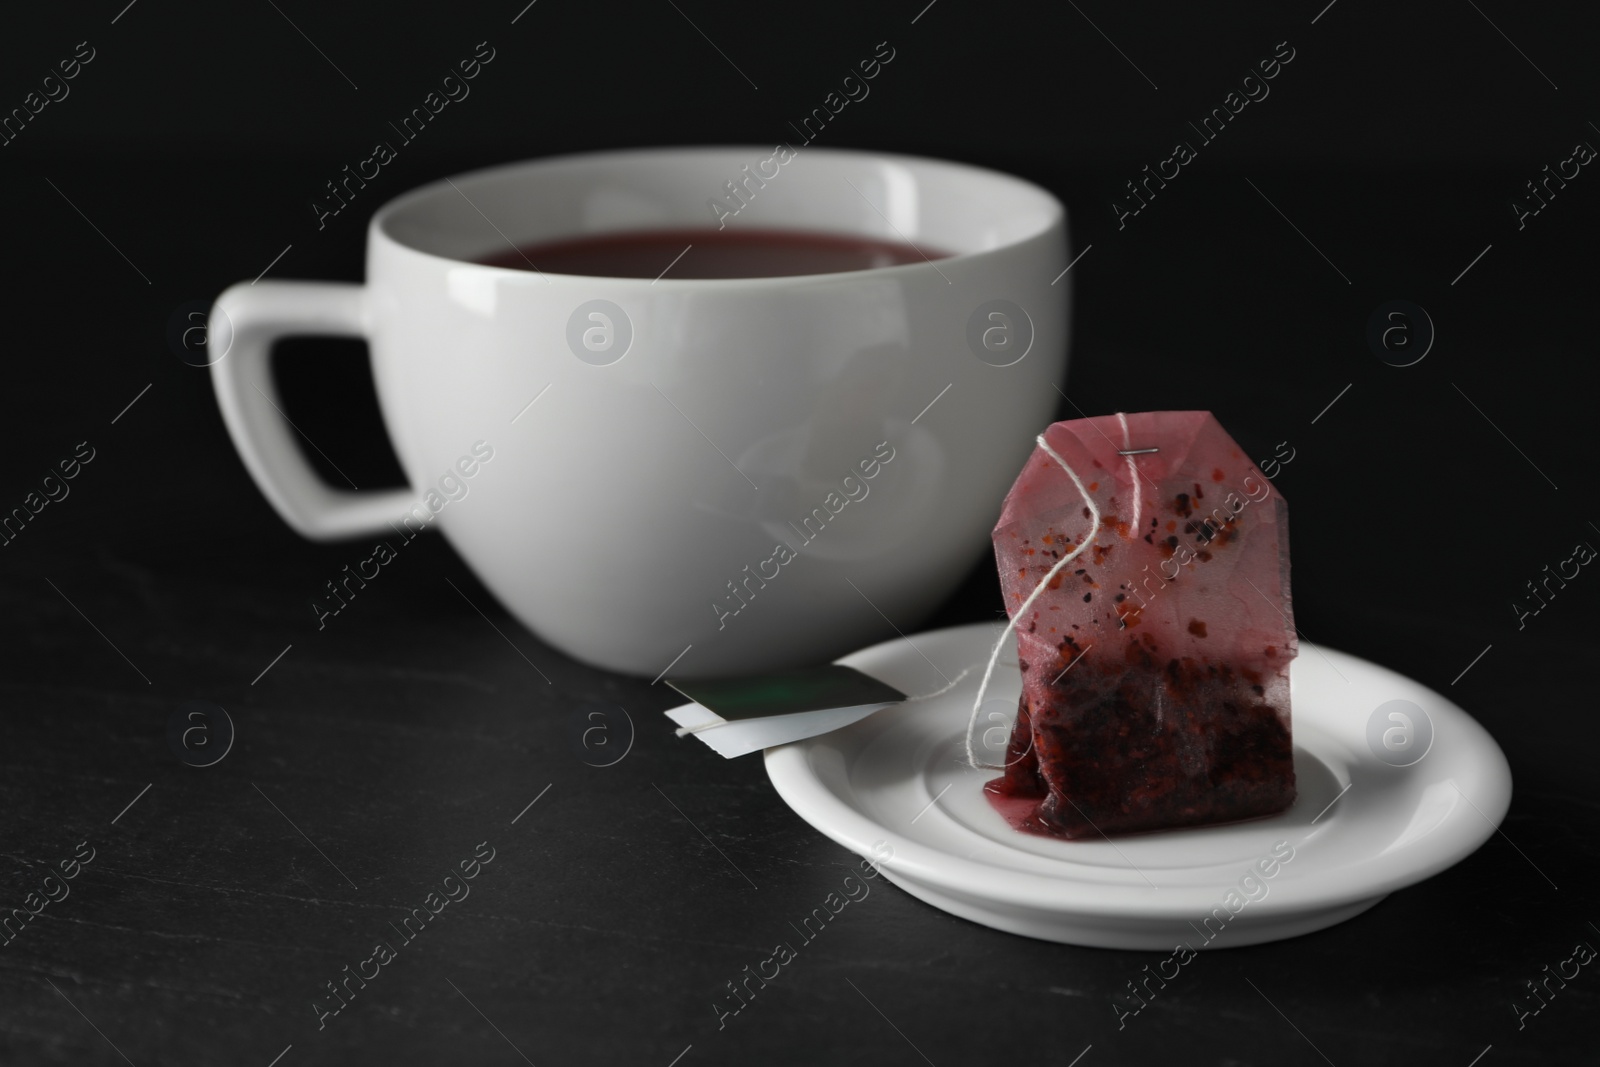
(1145, 566)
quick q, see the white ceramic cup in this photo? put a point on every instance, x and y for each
(651, 444)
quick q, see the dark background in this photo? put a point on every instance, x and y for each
(186, 157)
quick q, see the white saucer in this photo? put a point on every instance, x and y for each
(899, 779)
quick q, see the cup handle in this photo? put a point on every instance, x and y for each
(246, 321)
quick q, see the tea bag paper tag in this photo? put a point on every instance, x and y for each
(743, 715)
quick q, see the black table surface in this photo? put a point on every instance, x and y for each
(424, 726)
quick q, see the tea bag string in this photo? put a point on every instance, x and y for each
(1133, 470)
(994, 653)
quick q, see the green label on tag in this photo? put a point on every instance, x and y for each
(787, 692)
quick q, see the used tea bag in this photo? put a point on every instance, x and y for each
(1155, 659)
